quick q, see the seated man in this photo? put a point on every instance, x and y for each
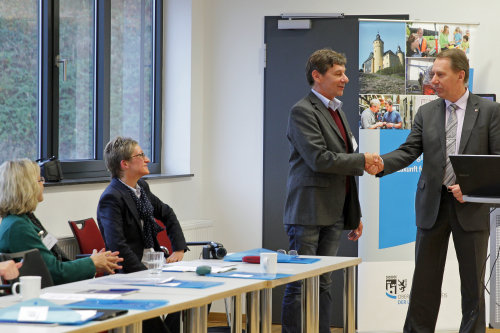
(127, 210)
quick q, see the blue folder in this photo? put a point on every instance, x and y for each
(57, 314)
(282, 258)
(118, 304)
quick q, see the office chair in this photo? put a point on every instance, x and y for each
(87, 235)
(33, 265)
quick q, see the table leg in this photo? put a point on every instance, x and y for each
(349, 299)
(236, 314)
(266, 301)
(253, 312)
(195, 320)
(132, 328)
(310, 305)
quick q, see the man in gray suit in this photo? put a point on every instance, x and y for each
(456, 123)
(322, 199)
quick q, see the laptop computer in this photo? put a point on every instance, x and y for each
(478, 175)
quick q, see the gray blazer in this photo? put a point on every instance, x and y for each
(480, 136)
(318, 167)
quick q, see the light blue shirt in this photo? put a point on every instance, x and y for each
(333, 104)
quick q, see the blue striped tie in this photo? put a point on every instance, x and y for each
(451, 139)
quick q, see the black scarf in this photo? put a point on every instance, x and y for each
(145, 209)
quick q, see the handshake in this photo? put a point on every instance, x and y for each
(373, 163)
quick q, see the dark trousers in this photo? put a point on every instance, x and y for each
(430, 257)
(310, 240)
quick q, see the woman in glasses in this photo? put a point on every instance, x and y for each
(21, 189)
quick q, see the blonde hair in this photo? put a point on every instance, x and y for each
(19, 187)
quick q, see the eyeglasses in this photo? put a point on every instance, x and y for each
(41, 180)
(141, 155)
(290, 253)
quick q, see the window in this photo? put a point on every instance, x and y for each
(19, 124)
(76, 73)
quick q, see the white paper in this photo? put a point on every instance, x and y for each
(86, 314)
(131, 280)
(354, 143)
(49, 241)
(242, 275)
(33, 313)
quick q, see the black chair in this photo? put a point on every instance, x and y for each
(33, 264)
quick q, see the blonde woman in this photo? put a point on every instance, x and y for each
(21, 189)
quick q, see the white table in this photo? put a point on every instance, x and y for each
(194, 301)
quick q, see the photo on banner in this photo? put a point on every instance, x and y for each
(381, 57)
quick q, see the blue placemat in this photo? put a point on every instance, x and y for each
(118, 304)
(282, 258)
(57, 314)
(248, 275)
(184, 284)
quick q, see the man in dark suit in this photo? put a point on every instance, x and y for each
(456, 123)
(322, 198)
(127, 210)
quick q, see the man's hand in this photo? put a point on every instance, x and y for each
(356, 233)
(373, 163)
(176, 256)
(457, 193)
(389, 125)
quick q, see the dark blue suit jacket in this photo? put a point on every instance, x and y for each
(121, 228)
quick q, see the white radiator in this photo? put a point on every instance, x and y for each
(197, 231)
(69, 245)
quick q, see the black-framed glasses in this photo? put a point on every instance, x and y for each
(141, 155)
(41, 180)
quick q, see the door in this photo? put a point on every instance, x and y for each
(284, 84)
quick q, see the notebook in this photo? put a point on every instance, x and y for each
(478, 175)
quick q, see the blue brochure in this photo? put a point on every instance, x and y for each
(282, 258)
(248, 275)
(57, 314)
(118, 304)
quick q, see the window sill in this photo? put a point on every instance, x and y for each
(97, 180)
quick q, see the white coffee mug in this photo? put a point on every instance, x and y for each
(30, 287)
(269, 262)
(155, 261)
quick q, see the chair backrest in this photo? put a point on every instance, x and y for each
(33, 264)
(87, 235)
(162, 237)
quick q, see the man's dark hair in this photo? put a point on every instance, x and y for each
(322, 60)
(458, 61)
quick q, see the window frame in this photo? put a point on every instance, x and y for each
(48, 107)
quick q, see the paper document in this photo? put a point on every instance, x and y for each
(116, 279)
(76, 296)
(218, 266)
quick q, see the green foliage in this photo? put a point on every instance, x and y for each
(398, 69)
